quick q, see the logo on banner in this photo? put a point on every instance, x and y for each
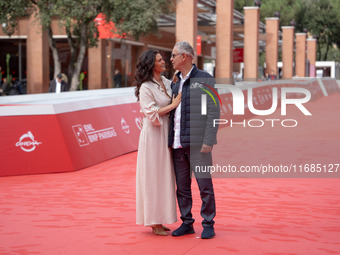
(139, 123)
(125, 126)
(27, 142)
(80, 135)
(86, 134)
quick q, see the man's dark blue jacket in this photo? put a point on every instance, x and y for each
(196, 129)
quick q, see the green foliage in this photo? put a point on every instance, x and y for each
(289, 9)
(138, 17)
(10, 11)
(81, 78)
(320, 17)
(133, 17)
(262, 58)
(239, 4)
(333, 53)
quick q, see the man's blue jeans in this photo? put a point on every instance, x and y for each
(185, 161)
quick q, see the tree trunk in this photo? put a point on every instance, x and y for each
(319, 52)
(80, 58)
(73, 56)
(326, 53)
(53, 46)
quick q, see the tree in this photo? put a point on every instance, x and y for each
(134, 17)
(288, 9)
(239, 4)
(9, 11)
(321, 18)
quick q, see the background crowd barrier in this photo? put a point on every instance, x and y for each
(47, 133)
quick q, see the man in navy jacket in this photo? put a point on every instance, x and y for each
(57, 85)
(192, 136)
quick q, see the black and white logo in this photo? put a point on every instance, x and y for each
(87, 134)
(27, 142)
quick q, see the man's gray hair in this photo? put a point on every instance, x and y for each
(184, 47)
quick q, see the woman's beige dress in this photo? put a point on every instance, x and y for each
(155, 183)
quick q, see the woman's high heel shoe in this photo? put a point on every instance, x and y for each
(159, 230)
(166, 228)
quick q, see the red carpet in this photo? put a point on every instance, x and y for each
(92, 211)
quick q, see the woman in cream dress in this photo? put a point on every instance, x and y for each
(155, 185)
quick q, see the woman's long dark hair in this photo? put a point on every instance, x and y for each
(145, 66)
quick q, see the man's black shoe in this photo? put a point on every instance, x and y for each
(208, 233)
(184, 229)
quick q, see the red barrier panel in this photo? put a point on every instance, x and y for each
(315, 89)
(96, 135)
(331, 86)
(32, 144)
(67, 141)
